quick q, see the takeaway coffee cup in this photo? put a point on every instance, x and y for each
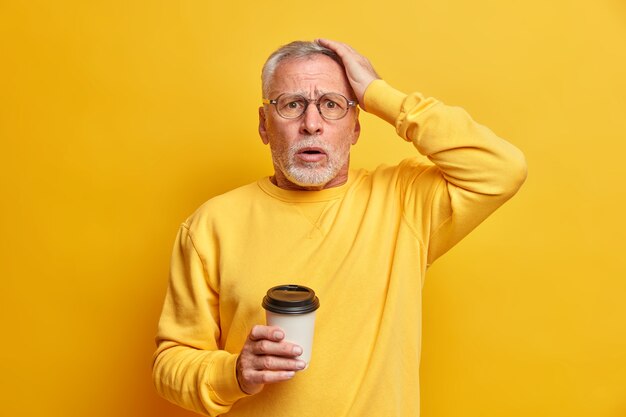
(292, 308)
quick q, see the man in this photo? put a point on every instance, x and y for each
(362, 240)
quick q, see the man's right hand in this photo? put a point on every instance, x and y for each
(266, 358)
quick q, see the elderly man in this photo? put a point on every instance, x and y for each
(362, 240)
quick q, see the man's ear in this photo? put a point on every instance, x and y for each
(357, 129)
(262, 129)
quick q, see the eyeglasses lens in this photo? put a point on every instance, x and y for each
(331, 106)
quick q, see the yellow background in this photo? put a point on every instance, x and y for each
(118, 118)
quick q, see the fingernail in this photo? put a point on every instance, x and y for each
(278, 335)
(290, 374)
(301, 364)
(297, 350)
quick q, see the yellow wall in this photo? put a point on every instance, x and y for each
(118, 118)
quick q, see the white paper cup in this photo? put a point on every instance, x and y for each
(292, 308)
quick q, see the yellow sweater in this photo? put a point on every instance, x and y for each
(363, 247)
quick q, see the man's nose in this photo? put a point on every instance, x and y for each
(312, 121)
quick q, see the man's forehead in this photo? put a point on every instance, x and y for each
(317, 73)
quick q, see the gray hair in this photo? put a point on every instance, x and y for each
(293, 50)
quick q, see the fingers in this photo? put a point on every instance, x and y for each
(266, 333)
(268, 341)
(339, 47)
(253, 379)
(359, 70)
(266, 358)
(273, 364)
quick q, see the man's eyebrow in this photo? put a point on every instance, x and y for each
(318, 94)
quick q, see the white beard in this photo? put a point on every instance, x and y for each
(312, 174)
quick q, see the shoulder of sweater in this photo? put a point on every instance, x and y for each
(408, 167)
(225, 204)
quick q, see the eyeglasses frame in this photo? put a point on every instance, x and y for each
(351, 103)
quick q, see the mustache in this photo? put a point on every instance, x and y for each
(309, 142)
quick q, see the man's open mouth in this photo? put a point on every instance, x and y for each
(311, 154)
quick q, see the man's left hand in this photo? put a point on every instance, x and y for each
(359, 70)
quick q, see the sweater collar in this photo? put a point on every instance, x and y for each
(305, 196)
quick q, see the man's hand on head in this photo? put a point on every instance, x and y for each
(359, 70)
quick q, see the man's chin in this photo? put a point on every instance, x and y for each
(309, 183)
(310, 180)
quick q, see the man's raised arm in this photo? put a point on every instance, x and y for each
(475, 171)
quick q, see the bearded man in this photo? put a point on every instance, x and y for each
(362, 240)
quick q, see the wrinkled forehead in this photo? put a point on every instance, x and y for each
(310, 76)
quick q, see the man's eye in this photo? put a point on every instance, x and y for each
(292, 105)
(331, 105)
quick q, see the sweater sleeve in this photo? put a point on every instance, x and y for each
(474, 170)
(189, 368)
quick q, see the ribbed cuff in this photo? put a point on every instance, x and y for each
(223, 379)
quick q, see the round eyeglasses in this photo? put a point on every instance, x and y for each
(331, 106)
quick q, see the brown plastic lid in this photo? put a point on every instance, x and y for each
(290, 299)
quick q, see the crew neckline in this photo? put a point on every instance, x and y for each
(305, 196)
